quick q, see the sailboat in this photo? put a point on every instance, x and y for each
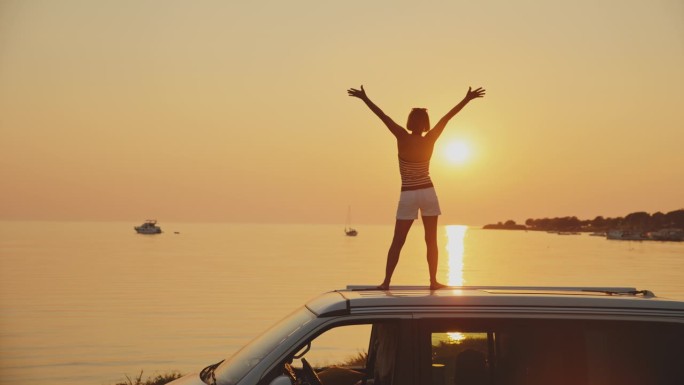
(350, 231)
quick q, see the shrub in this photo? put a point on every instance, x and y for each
(159, 379)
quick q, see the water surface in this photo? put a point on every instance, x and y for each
(88, 303)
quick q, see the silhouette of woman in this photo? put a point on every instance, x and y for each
(417, 190)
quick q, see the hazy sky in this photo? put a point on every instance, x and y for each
(237, 111)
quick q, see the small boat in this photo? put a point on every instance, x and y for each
(676, 235)
(350, 231)
(149, 227)
(626, 235)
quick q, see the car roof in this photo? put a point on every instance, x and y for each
(369, 299)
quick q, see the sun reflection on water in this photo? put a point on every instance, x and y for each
(455, 249)
(456, 337)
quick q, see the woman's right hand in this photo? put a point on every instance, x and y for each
(472, 94)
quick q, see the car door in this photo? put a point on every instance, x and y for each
(351, 351)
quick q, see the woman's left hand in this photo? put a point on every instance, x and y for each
(361, 94)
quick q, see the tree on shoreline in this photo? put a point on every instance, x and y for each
(639, 221)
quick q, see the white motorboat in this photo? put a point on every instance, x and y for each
(149, 227)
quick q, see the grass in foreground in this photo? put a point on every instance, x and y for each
(159, 379)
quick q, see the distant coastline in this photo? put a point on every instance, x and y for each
(636, 221)
(508, 225)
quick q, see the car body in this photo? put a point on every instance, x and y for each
(514, 335)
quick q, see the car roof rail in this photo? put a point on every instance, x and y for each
(594, 289)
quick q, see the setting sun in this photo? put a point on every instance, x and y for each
(457, 152)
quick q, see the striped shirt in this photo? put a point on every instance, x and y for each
(414, 175)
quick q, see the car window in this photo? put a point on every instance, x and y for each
(342, 346)
(534, 352)
(459, 357)
(376, 353)
(234, 368)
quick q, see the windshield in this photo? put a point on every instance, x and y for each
(237, 366)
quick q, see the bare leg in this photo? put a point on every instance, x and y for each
(401, 229)
(430, 225)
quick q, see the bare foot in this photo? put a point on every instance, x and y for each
(383, 286)
(436, 286)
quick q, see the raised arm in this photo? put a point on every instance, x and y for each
(439, 127)
(391, 125)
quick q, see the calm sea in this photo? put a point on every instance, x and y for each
(89, 303)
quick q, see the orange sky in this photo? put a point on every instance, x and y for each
(238, 111)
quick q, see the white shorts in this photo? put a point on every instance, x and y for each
(424, 199)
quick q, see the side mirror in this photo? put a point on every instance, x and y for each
(281, 380)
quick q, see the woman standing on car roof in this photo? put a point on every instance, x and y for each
(417, 191)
